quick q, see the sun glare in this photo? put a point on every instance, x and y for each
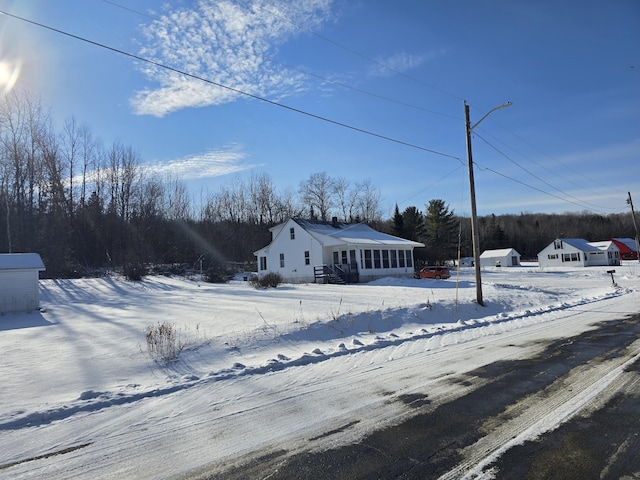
(9, 74)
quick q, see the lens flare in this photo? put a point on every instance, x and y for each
(9, 73)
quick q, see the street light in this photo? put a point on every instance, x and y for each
(472, 188)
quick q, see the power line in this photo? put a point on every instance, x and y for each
(539, 178)
(232, 89)
(434, 183)
(569, 180)
(355, 52)
(304, 72)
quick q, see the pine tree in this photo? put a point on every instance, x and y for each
(441, 231)
(398, 223)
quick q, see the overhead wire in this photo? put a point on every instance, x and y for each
(355, 52)
(584, 204)
(542, 166)
(302, 71)
(326, 119)
(409, 77)
(233, 89)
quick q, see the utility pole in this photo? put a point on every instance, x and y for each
(472, 190)
(635, 225)
(474, 213)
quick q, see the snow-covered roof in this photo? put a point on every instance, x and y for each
(500, 252)
(340, 233)
(604, 245)
(580, 244)
(21, 261)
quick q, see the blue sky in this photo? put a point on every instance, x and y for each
(401, 70)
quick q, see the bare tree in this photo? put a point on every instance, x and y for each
(368, 203)
(318, 193)
(347, 197)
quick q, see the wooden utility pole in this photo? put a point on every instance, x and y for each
(635, 225)
(474, 213)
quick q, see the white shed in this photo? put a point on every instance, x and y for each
(503, 257)
(19, 274)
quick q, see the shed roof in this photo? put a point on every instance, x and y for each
(500, 252)
(21, 261)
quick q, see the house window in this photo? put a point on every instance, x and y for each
(263, 263)
(394, 259)
(385, 258)
(570, 257)
(401, 258)
(307, 258)
(552, 257)
(409, 258)
(376, 258)
(282, 260)
(292, 233)
(557, 244)
(367, 259)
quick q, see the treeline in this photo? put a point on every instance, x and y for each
(443, 233)
(86, 206)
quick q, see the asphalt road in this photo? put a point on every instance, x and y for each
(592, 379)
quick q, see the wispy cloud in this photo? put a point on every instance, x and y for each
(402, 62)
(225, 42)
(213, 163)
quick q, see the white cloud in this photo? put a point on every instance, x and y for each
(213, 163)
(402, 62)
(227, 43)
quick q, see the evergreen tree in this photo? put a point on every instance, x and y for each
(413, 222)
(398, 223)
(441, 231)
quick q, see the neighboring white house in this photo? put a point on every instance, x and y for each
(309, 250)
(503, 257)
(578, 252)
(19, 273)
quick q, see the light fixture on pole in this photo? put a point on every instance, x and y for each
(472, 188)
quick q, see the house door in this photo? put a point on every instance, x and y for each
(336, 258)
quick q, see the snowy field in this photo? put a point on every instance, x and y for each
(261, 369)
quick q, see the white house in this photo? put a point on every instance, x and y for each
(19, 273)
(503, 257)
(309, 250)
(578, 252)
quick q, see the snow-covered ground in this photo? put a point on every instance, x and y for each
(261, 368)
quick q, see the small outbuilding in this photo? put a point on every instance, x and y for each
(503, 257)
(628, 248)
(19, 275)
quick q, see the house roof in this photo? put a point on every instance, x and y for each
(580, 244)
(21, 261)
(630, 243)
(603, 245)
(340, 233)
(500, 252)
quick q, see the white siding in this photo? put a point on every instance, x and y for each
(18, 290)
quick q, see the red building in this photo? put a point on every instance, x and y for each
(628, 248)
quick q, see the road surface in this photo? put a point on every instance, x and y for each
(589, 384)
